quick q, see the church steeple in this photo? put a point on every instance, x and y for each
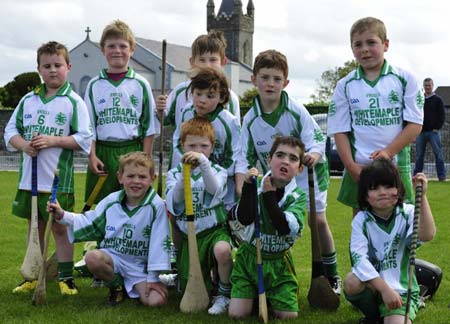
(237, 27)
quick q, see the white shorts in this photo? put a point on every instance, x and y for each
(321, 196)
(131, 273)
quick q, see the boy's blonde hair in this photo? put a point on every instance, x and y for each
(118, 29)
(372, 24)
(213, 42)
(51, 48)
(271, 59)
(136, 159)
(198, 126)
(210, 79)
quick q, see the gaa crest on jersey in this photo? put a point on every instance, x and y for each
(167, 244)
(134, 101)
(318, 136)
(146, 231)
(393, 97)
(60, 119)
(332, 109)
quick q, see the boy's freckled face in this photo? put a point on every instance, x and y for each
(368, 49)
(136, 181)
(205, 101)
(285, 163)
(199, 144)
(208, 59)
(270, 82)
(117, 52)
(53, 69)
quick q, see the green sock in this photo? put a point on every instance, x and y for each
(366, 302)
(65, 270)
(330, 264)
(116, 281)
(224, 289)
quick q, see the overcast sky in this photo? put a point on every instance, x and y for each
(313, 34)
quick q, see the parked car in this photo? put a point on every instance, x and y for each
(335, 164)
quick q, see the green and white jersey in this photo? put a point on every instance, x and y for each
(373, 112)
(120, 110)
(293, 204)
(380, 249)
(289, 119)
(179, 99)
(139, 236)
(64, 114)
(209, 210)
(227, 133)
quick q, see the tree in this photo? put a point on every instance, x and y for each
(13, 91)
(328, 82)
(246, 101)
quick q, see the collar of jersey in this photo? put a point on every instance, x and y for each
(388, 224)
(130, 75)
(290, 187)
(273, 117)
(212, 115)
(145, 201)
(41, 90)
(385, 70)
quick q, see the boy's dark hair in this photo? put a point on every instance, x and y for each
(369, 23)
(211, 79)
(381, 172)
(213, 42)
(118, 29)
(53, 48)
(271, 59)
(290, 141)
(198, 126)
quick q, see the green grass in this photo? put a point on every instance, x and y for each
(90, 305)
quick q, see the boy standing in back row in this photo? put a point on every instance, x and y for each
(275, 114)
(59, 116)
(121, 107)
(376, 111)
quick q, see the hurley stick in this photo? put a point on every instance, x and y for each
(33, 256)
(195, 296)
(161, 118)
(40, 292)
(414, 238)
(320, 294)
(263, 313)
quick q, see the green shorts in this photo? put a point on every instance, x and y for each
(22, 203)
(280, 279)
(205, 243)
(109, 153)
(414, 307)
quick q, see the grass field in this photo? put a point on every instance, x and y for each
(90, 305)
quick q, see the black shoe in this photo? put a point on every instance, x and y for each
(336, 284)
(366, 320)
(117, 295)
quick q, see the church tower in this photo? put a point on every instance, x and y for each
(237, 27)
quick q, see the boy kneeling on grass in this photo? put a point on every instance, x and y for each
(132, 228)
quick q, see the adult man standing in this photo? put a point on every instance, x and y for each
(434, 117)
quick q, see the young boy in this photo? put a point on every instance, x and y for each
(208, 182)
(209, 91)
(281, 207)
(132, 228)
(60, 118)
(207, 51)
(121, 108)
(273, 114)
(380, 245)
(376, 111)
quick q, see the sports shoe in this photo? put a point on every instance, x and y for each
(169, 279)
(25, 287)
(220, 305)
(336, 284)
(366, 320)
(68, 287)
(117, 295)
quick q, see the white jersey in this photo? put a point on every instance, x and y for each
(64, 114)
(289, 119)
(139, 236)
(120, 110)
(209, 210)
(380, 249)
(179, 99)
(373, 112)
